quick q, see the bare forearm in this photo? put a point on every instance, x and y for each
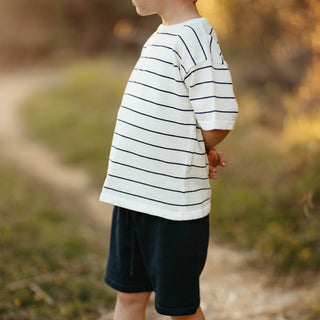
(213, 137)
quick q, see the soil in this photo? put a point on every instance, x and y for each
(231, 286)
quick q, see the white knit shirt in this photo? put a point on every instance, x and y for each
(180, 84)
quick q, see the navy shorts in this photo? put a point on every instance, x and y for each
(149, 253)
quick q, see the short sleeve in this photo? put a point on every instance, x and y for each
(211, 95)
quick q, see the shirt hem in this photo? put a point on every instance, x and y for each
(152, 210)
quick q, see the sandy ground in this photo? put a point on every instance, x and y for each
(230, 288)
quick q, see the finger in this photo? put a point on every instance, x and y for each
(213, 172)
(213, 169)
(222, 159)
(212, 153)
(212, 176)
(213, 158)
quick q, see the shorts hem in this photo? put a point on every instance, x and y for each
(125, 288)
(183, 311)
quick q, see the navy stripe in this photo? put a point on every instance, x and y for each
(206, 82)
(159, 201)
(218, 111)
(161, 60)
(206, 67)
(158, 173)
(211, 40)
(160, 119)
(157, 187)
(158, 104)
(158, 132)
(166, 47)
(187, 50)
(167, 62)
(222, 61)
(176, 35)
(160, 147)
(205, 56)
(160, 75)
(157, 89)
(168, 34)
(220, 69)
(209, 97)
(159, 160)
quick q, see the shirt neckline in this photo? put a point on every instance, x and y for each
(172, 26)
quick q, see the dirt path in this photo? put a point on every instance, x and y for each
(31, 155)
(230, 289)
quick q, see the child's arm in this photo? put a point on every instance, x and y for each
(211, 139)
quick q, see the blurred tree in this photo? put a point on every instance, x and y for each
(277, 39)
(34, 28)
(283, 34)
(309, 92)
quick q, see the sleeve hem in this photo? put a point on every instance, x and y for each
(217, 125)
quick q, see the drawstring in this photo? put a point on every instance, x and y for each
(133, 224)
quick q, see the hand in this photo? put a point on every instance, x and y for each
(215, 159)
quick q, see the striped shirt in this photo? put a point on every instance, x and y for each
(180, 85)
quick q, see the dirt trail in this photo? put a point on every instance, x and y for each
(31, 155)
(230, 289)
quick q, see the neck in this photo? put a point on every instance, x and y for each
(177, 11)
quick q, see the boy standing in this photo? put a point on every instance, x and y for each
(177, 106)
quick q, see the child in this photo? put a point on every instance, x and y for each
(177, 106)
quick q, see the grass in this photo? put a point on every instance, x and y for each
(77, 117)
(267, 198)
(52, 256)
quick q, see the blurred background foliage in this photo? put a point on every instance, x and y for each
(282, 33)
(274, 44)
(273, 49)
(269, 196)
(34, 30)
